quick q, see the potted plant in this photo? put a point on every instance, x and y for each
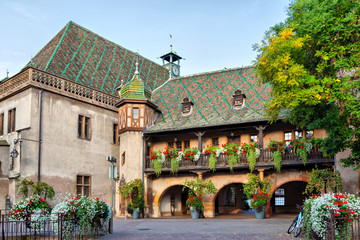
(260, 192)
(231, 151)
(212, 151)
(252, 152)
(135, 207)
(277, 148)
(134, 190)
(196, 190)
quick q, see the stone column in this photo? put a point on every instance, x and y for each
(146, 192)
(200, 175)
(261, 173)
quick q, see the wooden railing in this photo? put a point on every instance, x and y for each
(265, 160)
(35, 77)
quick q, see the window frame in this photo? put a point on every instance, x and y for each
(227, 201)
(212, 141)
(137, 114)
(11, 120)
(287, 141)
(2, 115)
(279, 199)
(84, 127)
(252, 135)
(83, 184)
(115, 133)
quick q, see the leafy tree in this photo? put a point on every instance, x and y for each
(312, 63)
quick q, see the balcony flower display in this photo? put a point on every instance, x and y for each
(192, 153)
(252, 152)
(277, 148)
(158, 159)
(301, 148)
(209, 149)
(231, 152)
(318, 210)
(175, 157)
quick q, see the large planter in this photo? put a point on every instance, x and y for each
(135, 214)
(260, 212)
(194, 213)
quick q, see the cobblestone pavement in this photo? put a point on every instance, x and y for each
(194, 229)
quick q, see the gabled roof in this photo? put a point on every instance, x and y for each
(84, 57)
(212, 95)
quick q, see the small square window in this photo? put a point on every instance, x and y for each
(186, 144)
(83, 185)
(215, 141)
(178, 145)
(309, 134)
(170, 144)
(288, 137)
(254, 138)
(298, 134)
(135, 113)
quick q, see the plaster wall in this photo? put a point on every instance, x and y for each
(63, 154)
(131, 143)
(349, 177)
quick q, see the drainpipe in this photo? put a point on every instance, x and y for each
(40, 134)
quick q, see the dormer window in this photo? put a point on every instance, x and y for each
(239, 99)
(186, 106)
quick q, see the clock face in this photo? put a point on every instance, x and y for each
(175, 70)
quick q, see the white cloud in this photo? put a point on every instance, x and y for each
(24, 11)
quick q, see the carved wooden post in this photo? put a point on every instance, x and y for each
(261, 141)
(199, 135)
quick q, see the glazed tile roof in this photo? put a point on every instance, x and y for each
(212, 95)
(84, 57)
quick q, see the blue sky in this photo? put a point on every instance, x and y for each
(210, 35)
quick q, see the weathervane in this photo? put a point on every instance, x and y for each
(170, 42)
(7, 73)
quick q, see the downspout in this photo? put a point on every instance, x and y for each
(40, 134)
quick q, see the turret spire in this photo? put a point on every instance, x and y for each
(137, 64)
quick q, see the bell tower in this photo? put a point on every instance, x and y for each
(171, 61)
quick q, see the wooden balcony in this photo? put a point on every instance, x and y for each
(264, 161)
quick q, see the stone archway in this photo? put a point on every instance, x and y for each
(164, 186)
(276, 184)
(229, 199)
(287, 196)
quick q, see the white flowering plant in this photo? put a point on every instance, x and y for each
(317, 212)
(84, 213)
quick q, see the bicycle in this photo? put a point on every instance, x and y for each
(297, 223)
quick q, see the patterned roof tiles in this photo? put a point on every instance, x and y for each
(84, 57)
(212, 95)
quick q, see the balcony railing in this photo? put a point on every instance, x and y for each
(265, 160)
(41, 79)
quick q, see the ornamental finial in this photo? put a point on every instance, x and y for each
(137, 64)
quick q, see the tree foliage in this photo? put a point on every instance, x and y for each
(27, 186)
(312, 63)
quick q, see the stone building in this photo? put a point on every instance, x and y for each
(83, 98)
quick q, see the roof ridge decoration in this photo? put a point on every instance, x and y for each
(135, 88)
(82, 56)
